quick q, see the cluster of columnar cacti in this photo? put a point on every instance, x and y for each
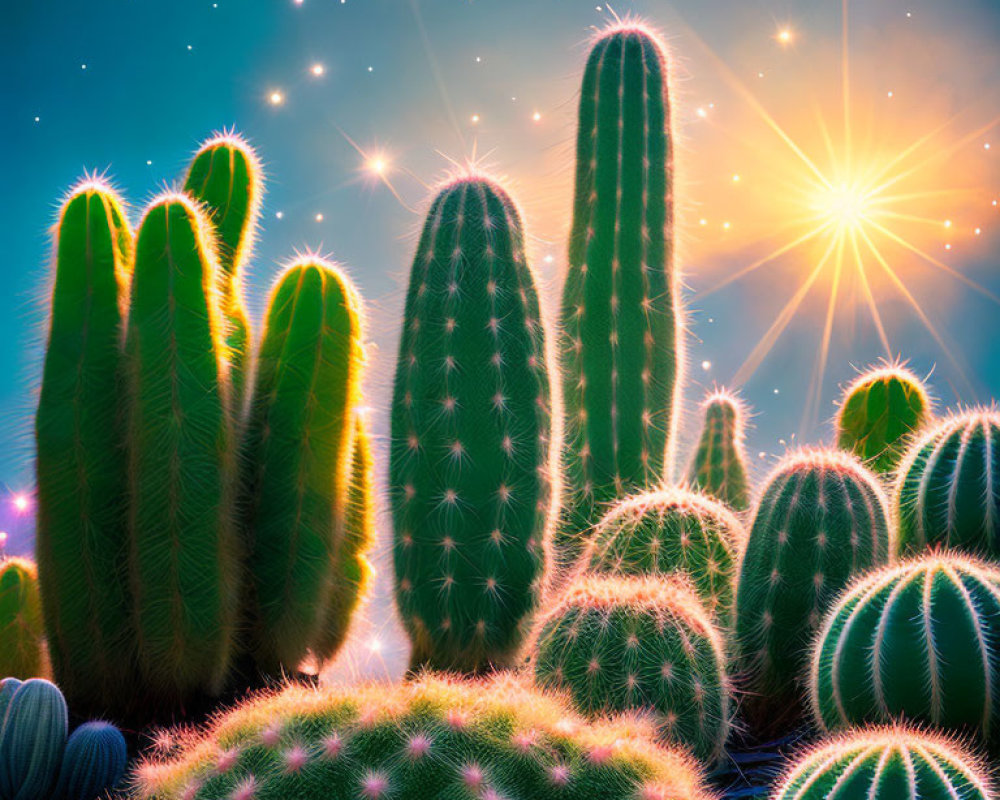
(430, 738)
(719, 464)
(621, 644)
(22, 652)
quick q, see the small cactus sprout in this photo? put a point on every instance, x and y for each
(469, 461)
(719, 465)
(914, 641)
(621, 644)
(93, 763)
(879, 413)
(891, 763)
(432, 737)
(948, 486)
(32, 739)
(672, 530)
(21, 631)
(821, 519)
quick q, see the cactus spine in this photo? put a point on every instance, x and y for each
(32, 739)
(297, 452)
(94, 762)
(21, 651)
(719, 464)
(821, 519)
(470, 435)
(948, 488)
(620, 315)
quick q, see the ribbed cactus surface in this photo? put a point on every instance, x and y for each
(94, 761)
(470, 435)
(21, 629)
(32, 739)
(948, 487)
(620, 320)
(719, 465)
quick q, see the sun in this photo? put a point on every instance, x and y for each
(844, 206)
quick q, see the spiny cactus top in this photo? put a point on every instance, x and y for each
(917, 640)
(469, 464)
(891, 763)
(719, 465)
(428, 738)
(948, 487)
(20, 620)
(620, 313)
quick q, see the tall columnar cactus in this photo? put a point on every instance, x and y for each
(719, 465)
(918, 641)
(622, 339)
(81, 465)
(184, 564)
(672, 530)
(470, 435)
(821, 519)
(32, 739)
(430, 738)
(890, 763)
(297, 456)
(622, 644)
(948, 487)
(21, 629)
(879, 413)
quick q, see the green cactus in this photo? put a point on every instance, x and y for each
(93, 763)
(184, 563)
(21, 628)
(879, 413)
(672, 530)
(32, 739)
(914, 641)
(470, 435)
(621, 320)
(296, 456)
(79, 428)
(429, 738)
(719, 465)
(821, 519)
(889, 763)
(948, 487)
(622, 644)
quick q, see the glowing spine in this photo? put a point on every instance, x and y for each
(719, 465)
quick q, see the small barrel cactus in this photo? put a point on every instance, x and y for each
(429, 738)
(889, 763)
(620, 644)
(21, 630)
(948, 486)
(719, 465)
(821, 519)
(879, 413)
(672, 530)
(32, 740)
(916, 641)
(94, 762)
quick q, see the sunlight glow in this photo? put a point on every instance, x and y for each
(21, 502)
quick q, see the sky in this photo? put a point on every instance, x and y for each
(791, 140)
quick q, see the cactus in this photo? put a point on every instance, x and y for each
(948, 487)
(672, 530)
(32, 739)
(879, 413)
(622, 339)
(297, 452)
(94, 762)
(821, 519)
(81, 466)
(619, 644)
(182, 547)
(916, 641)
(21, 650)
(470, 435)
(7, 688)
(226, 178)
(430, 738)
(719, 465)
(885, 764)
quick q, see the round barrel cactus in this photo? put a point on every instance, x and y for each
(32, 739)
(21, 626)
(94, 762)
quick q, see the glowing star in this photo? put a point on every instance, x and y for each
(375, 645)
(21, 502)
(3, 539)
(276, 98)
(377, 165)
(785, 36)
(537, 117)
(475, 119)
(318, 70)
(706, 365)
(319, 217)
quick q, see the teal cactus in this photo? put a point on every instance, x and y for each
(428, 738)
(719, 465)
(469, 473)
(621, 644)
(880, 411)
(81, 465)
(94, 761)
(914, 641)
(672, 530)
(22, 653)
(184, 564)
(296, 456)
(32, 739)
(885, 764)
(621, 345)
(822, 518)
(948, 487)
(7, 688)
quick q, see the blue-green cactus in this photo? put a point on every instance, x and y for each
(94, 762)
(32, 740)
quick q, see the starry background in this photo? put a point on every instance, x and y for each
(333, 91)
